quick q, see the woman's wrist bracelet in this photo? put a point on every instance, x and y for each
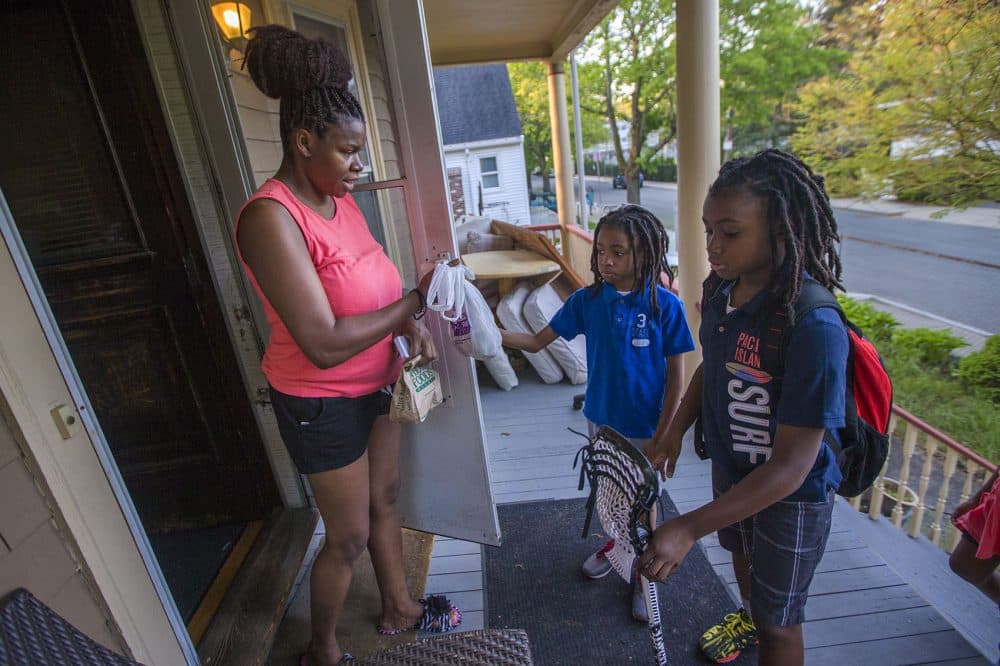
(422, 308)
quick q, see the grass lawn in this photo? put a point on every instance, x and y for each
(947, 403)
(926, 382)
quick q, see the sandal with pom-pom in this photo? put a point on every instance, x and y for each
(439, 616)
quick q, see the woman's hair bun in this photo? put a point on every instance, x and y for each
(284, 63)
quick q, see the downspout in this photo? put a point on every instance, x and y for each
(561, 155)
(698, 131)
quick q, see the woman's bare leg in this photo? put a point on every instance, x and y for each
(385, 542)
(342, 498)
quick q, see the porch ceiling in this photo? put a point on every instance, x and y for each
(466, 32)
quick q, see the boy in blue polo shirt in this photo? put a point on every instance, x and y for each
(769, 229)
(634, 384)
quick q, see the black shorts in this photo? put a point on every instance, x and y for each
(322, 434)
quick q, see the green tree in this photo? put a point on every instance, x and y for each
(531, 94)
(629, 75)
(915, 111)
(767, 49)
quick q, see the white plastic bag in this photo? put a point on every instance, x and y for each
(457, 300)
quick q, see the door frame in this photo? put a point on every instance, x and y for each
(37, 376)
(188, 73)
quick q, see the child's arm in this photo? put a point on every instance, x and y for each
(671, 399)
(528, 342)
(672, 394)
(665, 448)
(794, 454)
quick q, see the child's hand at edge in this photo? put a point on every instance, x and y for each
(664, 451)
(973, 500)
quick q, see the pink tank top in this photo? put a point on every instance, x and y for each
(358, 278)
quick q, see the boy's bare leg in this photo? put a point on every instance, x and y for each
(981, 573)
(780, 646)
(741, 567)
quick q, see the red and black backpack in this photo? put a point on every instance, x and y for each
(864, 439)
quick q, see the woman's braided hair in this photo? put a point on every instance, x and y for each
(798, 205)
(649, 242)
(309, 76)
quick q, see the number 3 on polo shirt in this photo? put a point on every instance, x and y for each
(640, 334)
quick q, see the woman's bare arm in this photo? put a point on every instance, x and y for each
(272, 246)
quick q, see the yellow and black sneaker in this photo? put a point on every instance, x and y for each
(725, 641)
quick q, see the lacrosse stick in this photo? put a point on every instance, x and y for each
(623, 488)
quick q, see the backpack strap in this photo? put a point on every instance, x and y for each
(778, 331)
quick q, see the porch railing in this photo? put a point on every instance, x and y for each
(924, 504)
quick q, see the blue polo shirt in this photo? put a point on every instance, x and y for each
(739, 414)
(627, 350)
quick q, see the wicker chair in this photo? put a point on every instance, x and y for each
(32, 634)
(487, 647)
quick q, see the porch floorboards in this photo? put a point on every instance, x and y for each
(860, 609)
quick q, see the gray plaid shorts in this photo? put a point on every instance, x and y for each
(784, 543)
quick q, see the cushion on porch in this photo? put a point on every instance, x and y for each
(480, 241)
(510, 315)
(468, 224)
(501, 371)
(539, 308)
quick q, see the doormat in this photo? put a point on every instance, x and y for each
(356, 628)
(533, 582)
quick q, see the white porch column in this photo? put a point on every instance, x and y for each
(697, 145)
(561, 152)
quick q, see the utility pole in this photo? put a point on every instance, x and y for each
(727, 143)
(578, 129)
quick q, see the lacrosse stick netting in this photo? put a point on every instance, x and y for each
(623, 489)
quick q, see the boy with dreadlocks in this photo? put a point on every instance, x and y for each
(635, 382)
(769, 229)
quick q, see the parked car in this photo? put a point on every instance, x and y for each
(618, 182)
(544, 199)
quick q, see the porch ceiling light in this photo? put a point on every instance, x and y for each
(233, 19)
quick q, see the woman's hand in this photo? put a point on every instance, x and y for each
(421, 342)
(425, 283)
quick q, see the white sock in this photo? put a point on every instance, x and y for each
(746, 604)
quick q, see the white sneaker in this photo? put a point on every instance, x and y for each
(597, 565)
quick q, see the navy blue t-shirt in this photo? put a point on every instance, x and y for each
(627, 350)
(739, 415)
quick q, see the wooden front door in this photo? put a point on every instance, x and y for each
(89, 174)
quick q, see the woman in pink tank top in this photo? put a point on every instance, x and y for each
(332, 298)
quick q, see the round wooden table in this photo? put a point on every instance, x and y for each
(509, 266)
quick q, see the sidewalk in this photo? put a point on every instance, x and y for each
(976, 216)
(910, 317)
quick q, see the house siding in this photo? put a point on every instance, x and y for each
(509, 202)
(35, 551)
